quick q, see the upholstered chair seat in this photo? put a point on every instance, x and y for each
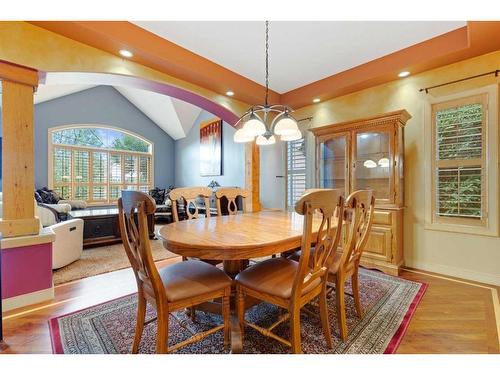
(274, 277)
(192, 278)
(335, 262)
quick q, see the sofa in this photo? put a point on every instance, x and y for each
(50, 199)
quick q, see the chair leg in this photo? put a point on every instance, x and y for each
(162, 333)
(355, 292)
(240, 309)
(226, 314)
(323, 311)
(192, 313)
(339, 292)
(295, 330)
(139, 327)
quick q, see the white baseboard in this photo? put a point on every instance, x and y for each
(27, 299)
(487, 278)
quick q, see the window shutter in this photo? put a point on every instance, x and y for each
(459, 176)
(296, 168)
(96, 164)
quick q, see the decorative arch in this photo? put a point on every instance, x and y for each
(112, 79)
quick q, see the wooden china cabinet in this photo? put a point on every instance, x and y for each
(369, 154)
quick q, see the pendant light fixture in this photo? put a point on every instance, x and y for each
(265, 123)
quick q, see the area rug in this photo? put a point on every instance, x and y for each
(389, 303)
(103, 259)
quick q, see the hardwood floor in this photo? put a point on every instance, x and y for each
(454, 316)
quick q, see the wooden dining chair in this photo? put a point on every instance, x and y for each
(358, 216)
(290, 284)
(190, 196)
(231, 195)
(171, 288)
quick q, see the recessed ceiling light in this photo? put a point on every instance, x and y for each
(126, 53)
(404, 74)
(316, 100)
(229, 93)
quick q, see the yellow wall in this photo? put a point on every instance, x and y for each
(468, 256)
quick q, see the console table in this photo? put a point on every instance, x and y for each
(101, 227)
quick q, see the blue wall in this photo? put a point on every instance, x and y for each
(187, 158)
(100, 105)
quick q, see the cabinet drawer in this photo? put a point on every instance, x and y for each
(379, 244)
(382, 217)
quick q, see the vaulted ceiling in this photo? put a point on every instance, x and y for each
(175, 117)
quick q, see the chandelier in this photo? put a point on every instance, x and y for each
(263, 123)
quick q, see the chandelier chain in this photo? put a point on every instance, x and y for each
(267, 61)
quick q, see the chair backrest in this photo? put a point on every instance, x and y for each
(327, 207)
(231, 194)
(358, 218)
(133, 208)
(190, 195)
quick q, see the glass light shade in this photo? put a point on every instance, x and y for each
(384, 162)
(286, 126)
(261, 140)
(370, 164)
(254, 126)
(241, 136)
(291, 137)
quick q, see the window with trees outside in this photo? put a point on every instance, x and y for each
(461, 154)
(95, 164)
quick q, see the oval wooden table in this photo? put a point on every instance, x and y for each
(235, 239)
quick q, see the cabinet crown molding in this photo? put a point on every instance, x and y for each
(400, 117)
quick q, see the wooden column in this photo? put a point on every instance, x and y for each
(252, 176)
(18, 179)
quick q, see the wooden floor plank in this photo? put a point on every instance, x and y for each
(453, 316)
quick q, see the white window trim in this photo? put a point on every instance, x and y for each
(490, 227)
(50, 150)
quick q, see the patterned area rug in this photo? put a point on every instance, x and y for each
(104, 259)
(388, 302)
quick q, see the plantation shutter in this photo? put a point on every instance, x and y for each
(62, 172)
(459, 151)
(296, 171)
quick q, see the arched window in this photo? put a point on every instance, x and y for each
(95, 163)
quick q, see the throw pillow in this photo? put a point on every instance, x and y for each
(158, 195)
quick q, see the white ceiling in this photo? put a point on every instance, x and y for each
(300, 52)
(161, 110)
(48, 92)
(173, 116)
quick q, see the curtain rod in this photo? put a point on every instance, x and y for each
(426, 89)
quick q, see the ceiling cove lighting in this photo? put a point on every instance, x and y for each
(316, 100)
(404, 74)
(267, 121)
(126, 53)
(229, 93)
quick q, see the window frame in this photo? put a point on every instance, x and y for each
(91, 150)
(488, 224)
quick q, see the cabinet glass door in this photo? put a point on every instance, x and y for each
(373, 161)
(333, 156)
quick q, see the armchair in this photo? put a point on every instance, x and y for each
(68, 245)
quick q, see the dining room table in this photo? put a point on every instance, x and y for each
(235, 240)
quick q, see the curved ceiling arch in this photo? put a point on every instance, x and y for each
(113, 79)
